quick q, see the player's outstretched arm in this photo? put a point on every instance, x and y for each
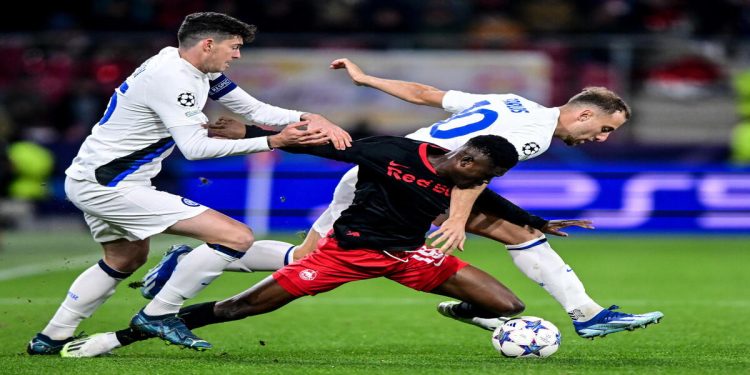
(298, 134)
(230, 128)
(411, 92)
(339, 137)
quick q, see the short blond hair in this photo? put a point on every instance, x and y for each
(602, 97)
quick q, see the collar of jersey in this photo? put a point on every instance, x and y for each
(423, 155)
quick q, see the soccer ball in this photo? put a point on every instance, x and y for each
(527, 336)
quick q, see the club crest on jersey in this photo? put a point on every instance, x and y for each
(308, 274)
(190, 203)
(186, 99)
(530, 148)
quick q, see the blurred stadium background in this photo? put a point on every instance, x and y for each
(680, 166)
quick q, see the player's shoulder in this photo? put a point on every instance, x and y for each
(388, 143)
(166, 65)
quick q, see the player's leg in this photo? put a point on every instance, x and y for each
(263, 297)
(321, 273)
(533, 255)
(89, 291)
(225, 241)
(124, 252)
(265, 255)
(482, 295)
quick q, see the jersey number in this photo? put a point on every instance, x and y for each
(113, 103)
(488, 117)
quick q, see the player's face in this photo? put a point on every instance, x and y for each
(222, 53)
(476, 172)
(593, 126)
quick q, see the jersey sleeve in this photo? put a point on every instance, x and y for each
(457, 101)
(237, 100)
(527, 146)
(173, 99)
(353, 154)
(194, 143)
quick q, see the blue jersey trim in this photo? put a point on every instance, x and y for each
(543, 240)
(115, 274)
(225, 250)
(138, 163)
(220, 87)
(113, 103)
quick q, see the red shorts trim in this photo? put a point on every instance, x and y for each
(330, 266)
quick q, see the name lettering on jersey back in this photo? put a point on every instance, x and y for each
(515, 106)
(396, 171)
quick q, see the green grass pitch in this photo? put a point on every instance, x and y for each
(379, 327)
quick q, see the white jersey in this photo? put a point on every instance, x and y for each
(165, 97)
(525, 124)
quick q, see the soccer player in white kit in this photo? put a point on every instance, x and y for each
(157, 107)
(589, 116)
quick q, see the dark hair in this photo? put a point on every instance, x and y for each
(197, 26)
(496, 148)
(603, 98)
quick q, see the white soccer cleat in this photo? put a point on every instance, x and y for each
(91, 346)
(446, 309)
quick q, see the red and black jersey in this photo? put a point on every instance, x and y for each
(398, 193)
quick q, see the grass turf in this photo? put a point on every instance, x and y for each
(377, 326)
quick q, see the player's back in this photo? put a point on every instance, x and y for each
(131, 139)
(527, 125)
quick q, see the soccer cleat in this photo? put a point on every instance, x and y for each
(446, 309)
(43, 345)
(169, 328)
(156, 277)
(91, 346)
(610, 321)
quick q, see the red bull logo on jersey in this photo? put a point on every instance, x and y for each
(396, 171)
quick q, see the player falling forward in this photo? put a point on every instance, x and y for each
(589, 116)
(403, 186)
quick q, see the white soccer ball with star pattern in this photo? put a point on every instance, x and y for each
(527, 336)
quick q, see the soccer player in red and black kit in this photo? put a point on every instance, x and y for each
(403, 185)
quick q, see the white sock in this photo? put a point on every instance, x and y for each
(538, 261)
(194, 272)
(88, 292)
(264, 255)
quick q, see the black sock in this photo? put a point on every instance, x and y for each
(128, 336)
(466, 310)
(199, 315)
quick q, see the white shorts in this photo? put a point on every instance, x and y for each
(343, 197)
(134, 212)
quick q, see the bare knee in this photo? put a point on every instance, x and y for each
(514, 306)
(240, 240)
(308, 245)
(126, 264)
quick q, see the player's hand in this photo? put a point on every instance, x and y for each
(452, 234)
(554, 226)
(226, 127)
(298, 134)
(357, 75)
(339, 137)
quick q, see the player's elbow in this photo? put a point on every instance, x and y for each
(192, 157)
(194, 154)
